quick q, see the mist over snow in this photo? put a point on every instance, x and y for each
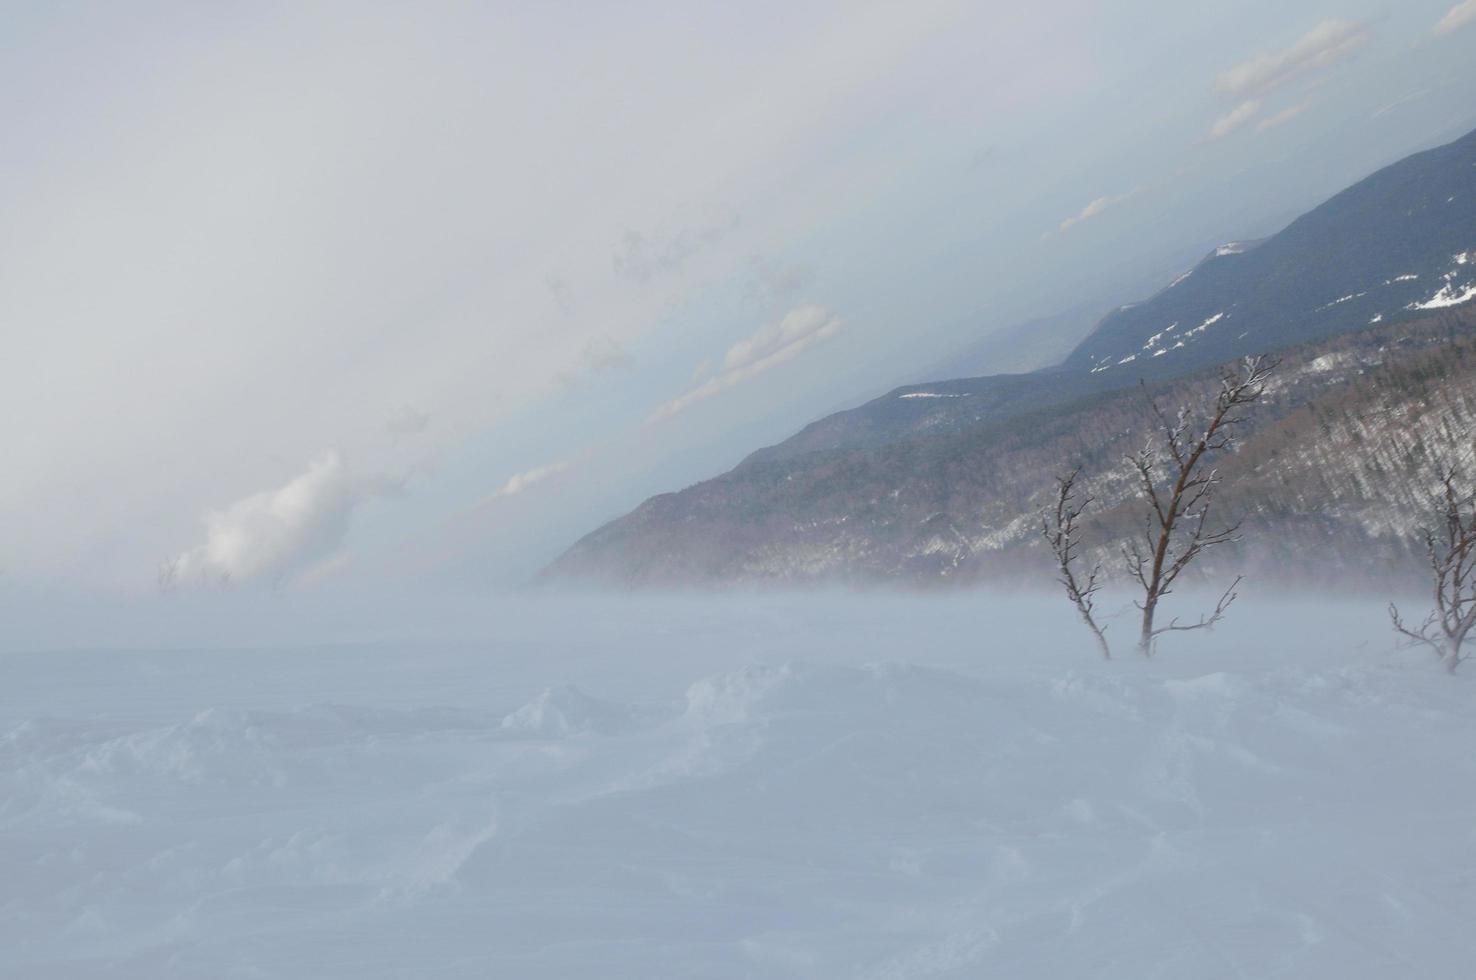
(802, 786)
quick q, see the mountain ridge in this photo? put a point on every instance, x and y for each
(1395, 250)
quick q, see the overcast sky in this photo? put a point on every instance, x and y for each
(330, 296)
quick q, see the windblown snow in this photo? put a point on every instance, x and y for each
(804, 787)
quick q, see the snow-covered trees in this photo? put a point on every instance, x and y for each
(1450, 549)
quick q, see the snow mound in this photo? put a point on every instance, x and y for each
(559, 712)
(730, 698)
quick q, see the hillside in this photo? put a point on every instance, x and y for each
(1335, 458)
(1030, 346)
(940, 481)
(1396, 244)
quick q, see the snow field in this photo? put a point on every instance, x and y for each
(824, 787)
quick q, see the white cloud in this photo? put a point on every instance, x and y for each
(1457, 17)
(1327, 43)
(519, 482)
(275, 533)
(773, 344)
(1235, 118)
(1403, 100)
(1095, 208)
(1281, 118)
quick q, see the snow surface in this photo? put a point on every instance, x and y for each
(805, 787)
(1452, 293)
(1339, 301)
(1209, 322)
(1449, 295)
(1153, 340)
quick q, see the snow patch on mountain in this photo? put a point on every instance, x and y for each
(1457, 288)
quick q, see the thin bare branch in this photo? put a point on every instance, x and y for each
(1204, 622)
(1060, 527)
(1450, 551)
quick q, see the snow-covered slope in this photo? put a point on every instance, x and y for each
(1331, 479)
(803, 787)
(892, 489)
(1389, 247)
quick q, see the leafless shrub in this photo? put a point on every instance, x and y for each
(1177, 485)
(1450, 549)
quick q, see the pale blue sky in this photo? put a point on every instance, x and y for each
(292, 294)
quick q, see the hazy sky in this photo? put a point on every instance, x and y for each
(322, 296)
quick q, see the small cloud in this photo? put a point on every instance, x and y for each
(1324, 45)
(561, 291)
(1456, 17)
(771, 345)
(277, 533)
(599, 355)
(775, 282)
(408, 421)
(1403, 100)
(1283, 117)
(519, 482)
(1235, 118)
(641, 259)
(1095, 208)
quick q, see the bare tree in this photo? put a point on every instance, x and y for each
(1450, 549)
(1059, 526)
(1178, 486)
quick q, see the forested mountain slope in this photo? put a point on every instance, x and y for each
(1396, 244)
(1368, 298)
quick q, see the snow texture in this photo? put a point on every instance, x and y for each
(1453, 292)
(801, 787)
